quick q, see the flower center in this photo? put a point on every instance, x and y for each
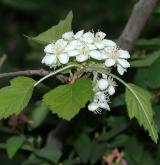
(58, 50)
(84, 51)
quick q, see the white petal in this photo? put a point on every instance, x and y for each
(61, 43)
(91, 46)
(109, 43)
(101, 35)
(104, 105)
(104, 76)
(104, 55)
(88, 37)
(102, 84)
(111, 90)
(110, 62)
(101, 96)
(68, 35)
(78, 34)
(63, 58)
(49, 48)
(73, 53)
(71, 46)
(93, 106)
(124, 63)
(49, 59)
(99, 45)
(95, 54)
(81, 58)
(123, 54)
(120, 69)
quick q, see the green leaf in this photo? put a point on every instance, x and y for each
(14, 98)
(55, 32)
(97, 151)
(154, 76)
(117, 125)
(135, 153)
(13, 144)
(83, 147)
(38, 115)
(148, 43)
(67, 100)
(141, 77)
(134, 148)
(139, 106)
(49, 153)
(146, 61)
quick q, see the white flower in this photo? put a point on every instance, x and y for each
(95, 54)
(68, 35)
(79, 34)
(102, 84)
(93, 107)
(55, 52)
(49, 48)
(114, 56)
(49, 60)
(82, 52)
(94, 40)
(109, 43)
(100, 102)
(111, 84)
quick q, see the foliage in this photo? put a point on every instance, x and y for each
(67, 100)
(14, 98)
(139, 106)
(92, 138)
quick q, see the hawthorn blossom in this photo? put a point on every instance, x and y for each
(114, 56)
(99, 102)
(97, 39)
(69, 36)
(111, 84)
(56, 52)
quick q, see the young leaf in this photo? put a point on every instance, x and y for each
(13, 144)
(14, 98)
(67, 100)
(139, 106)
(55, 32)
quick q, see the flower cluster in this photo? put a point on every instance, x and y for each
(103, 88)
(83, 46)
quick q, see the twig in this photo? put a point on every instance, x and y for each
(140, 14)
(40, 72)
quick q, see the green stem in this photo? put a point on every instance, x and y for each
(119, 79)
(55, 72)
(103, 70)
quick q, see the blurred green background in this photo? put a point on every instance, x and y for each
(101, 134)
